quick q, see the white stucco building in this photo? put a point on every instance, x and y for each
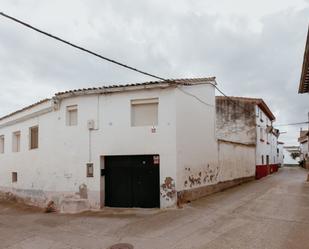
(280, 154)
(288, 159)
(248, 122)
(75, 148)
(304, 148)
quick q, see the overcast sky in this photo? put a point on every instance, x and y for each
(254, 48)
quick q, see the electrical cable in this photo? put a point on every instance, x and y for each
(194, 96)
(300, 123)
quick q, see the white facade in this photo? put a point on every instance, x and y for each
(304, 150)
(280, 154)
(184, 138)
(267, 139)
(236, 161)
(247, 123)
(303, 146)
(288, 159)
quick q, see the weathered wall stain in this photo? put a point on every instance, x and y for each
(83, 191)
(233, 123)
(168, 190)
(206, 175)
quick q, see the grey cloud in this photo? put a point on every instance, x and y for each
(162, 38)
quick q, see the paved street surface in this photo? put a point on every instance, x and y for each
(269, 213)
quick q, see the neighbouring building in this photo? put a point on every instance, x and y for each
(303, 147)
(291, 155)
(247, 124)
(280, 154)
(304, 88)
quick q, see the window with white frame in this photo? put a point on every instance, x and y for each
(34, 137)
(16, 141)
(2, 144)
(71, 115)
(144, 112)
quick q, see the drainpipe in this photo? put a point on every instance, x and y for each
(95, 126)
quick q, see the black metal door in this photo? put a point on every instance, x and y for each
(132, 181)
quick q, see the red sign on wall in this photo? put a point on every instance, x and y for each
(156, 159)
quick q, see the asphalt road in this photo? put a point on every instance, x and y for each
(269, 213)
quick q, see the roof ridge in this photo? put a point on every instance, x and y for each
(181, 80)
(24, 108)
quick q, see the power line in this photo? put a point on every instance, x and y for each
(194, 96)
(79, 47)
(300, 123)
(232, 100)
(113, 61)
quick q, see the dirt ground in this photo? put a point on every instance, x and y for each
(269, 213)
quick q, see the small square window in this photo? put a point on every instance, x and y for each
(14, 176)
(89, 169)
(144, 112)
(71, 115)
(16, 141)
(34, 138)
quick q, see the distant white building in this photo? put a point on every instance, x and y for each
(280, 153)
(288, 159)
(249, 122)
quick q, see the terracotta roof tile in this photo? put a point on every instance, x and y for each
(24, 109)
(188, 81)
(184, 81)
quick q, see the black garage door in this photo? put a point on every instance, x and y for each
(132, 181)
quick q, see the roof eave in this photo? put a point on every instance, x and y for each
(267, 111)
(304, 80)
(134, 87)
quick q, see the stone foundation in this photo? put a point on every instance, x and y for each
(188, 195)
(64, 202)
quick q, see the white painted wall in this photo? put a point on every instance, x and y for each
(280, 157)
(269, 145)
(288, 159)
(236, 161)
(58, 166)
(197, 154)
(304, 150)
